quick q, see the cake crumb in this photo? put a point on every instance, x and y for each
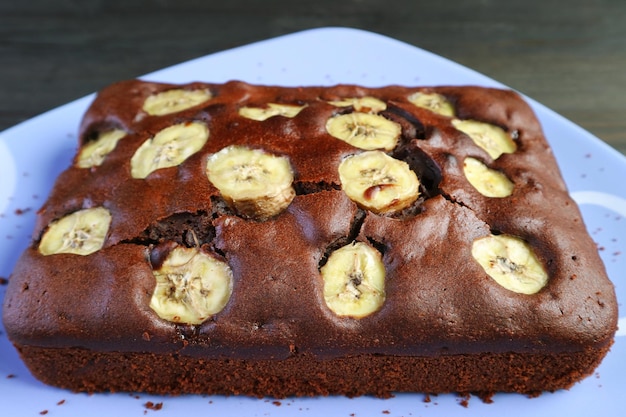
(61, 402)
(4, 281)
(10, 376)
(386, 412)
(19, 212)
(427, 398)
(153, 406)
(43, 412)
(486, 398)
(464, 400)
(277, 403)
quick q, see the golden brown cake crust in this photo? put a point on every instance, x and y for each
(442, 312)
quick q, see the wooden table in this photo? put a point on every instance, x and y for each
(571, 56)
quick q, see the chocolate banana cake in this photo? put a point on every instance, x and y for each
(274, 241)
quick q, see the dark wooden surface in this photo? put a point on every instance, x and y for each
(569, 55)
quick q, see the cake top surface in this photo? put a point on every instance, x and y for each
(482, 249)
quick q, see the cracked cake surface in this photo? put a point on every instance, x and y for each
(268, 240)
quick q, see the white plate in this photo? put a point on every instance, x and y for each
(33, 153)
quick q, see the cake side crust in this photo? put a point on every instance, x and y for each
(304, 375)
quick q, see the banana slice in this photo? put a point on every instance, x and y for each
(511, 262)
(170, 147)
(362, 104)
(364, 130)
(272, 109)
(255, 183)
(433, 102)
(493, 139)
(354, 280)
(378, 182)
(487, 181)
(93, 153)
(191, 286)
(173, 101)
(82, 233)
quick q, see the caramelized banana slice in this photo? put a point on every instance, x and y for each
(378, 182)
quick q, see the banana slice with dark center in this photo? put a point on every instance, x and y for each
(354, 280)
(511, 262)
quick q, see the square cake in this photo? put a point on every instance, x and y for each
(276, 241)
